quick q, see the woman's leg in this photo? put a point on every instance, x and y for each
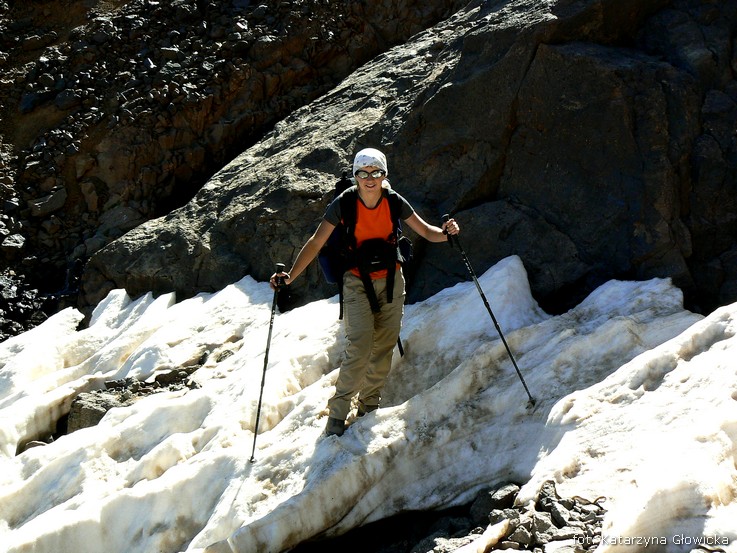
(387, 325)
(359, 328)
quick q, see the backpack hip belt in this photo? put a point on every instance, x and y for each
(374, 255)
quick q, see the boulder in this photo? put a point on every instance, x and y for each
(48, 204)
(88, 409)
(594, 146)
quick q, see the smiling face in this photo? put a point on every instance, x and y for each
(369, 184)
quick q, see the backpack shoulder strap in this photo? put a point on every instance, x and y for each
(343, 235)
(349, 211)
(395, 208)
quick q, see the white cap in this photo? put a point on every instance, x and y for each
(369, 157)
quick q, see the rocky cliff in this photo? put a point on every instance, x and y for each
(113, 112)
(594, 138)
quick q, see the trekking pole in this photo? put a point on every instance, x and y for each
(451, 238)
(279, 282)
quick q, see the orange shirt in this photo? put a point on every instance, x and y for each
(373, 223)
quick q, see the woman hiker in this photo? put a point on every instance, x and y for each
(372, 319)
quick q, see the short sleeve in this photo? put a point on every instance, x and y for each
(407, 209)
(332, 213)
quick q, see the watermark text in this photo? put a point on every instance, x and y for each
(647, 541)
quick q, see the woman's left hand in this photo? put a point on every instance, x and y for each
(277, 279)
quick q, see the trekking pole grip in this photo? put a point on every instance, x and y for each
(446, 218)
(280, 269)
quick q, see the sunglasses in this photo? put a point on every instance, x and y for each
(361, 174)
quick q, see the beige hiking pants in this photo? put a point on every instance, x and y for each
(371, 340)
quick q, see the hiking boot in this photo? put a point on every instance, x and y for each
(335, 426)
(363, 409)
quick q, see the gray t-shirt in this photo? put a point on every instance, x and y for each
(333, 215)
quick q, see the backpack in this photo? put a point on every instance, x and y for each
(332, 255)
(341, 254)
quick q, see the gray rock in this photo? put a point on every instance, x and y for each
(13, 242)
(491, 499)
(561, 515)
(88, 409)
(68, 99)
(542, 526)
(520, 535)
(48, 204)
(498, 515)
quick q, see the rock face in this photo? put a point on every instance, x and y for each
(593, 138)
(114, 112)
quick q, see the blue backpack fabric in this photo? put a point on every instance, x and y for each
(332, 254)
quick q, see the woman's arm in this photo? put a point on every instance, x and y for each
(308, 252)
(431, 232)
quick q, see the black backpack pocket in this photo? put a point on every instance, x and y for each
(375, 254)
